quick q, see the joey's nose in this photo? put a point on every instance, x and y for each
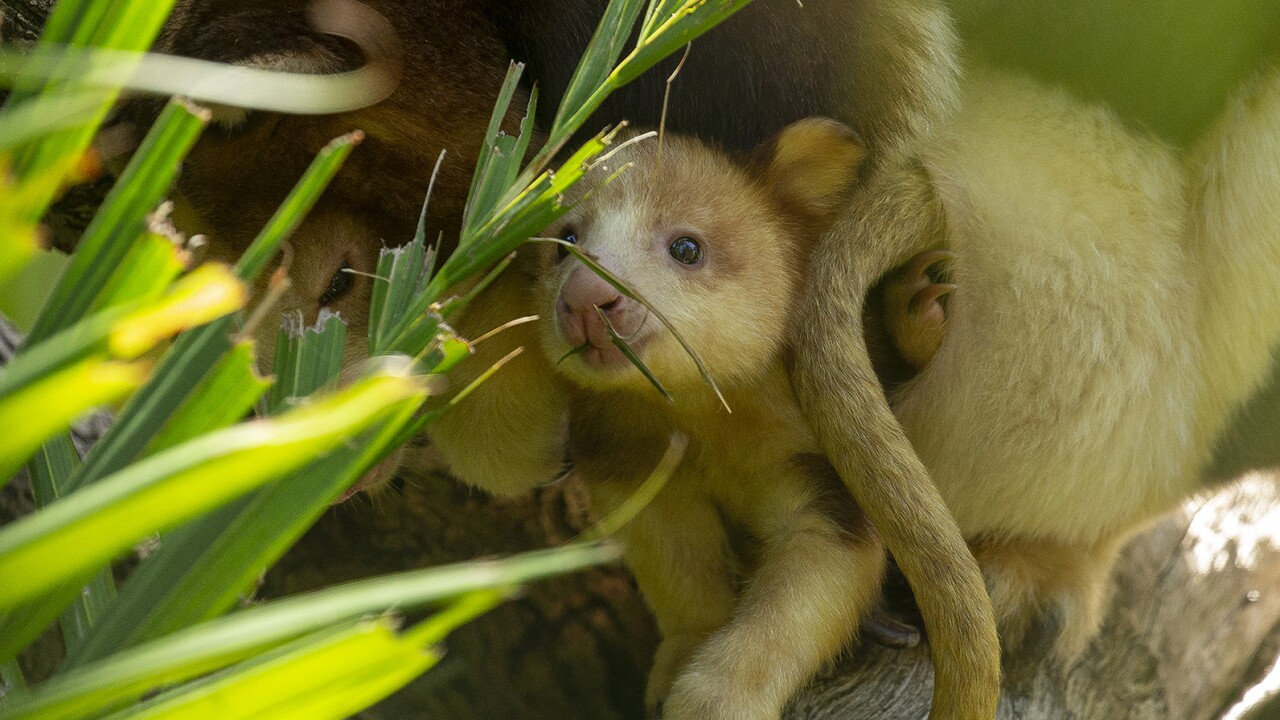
(584, 291)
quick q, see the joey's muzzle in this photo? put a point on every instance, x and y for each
(587, 306)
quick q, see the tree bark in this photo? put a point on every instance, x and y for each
(1194, 619)
(21, 20)
(573, 647)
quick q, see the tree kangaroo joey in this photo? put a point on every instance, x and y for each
(756, 562)
(1118, 303)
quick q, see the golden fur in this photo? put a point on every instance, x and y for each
(727, 651)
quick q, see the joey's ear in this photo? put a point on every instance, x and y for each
(812, 164)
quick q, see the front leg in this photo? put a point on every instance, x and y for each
(678, 551)
(816, 580)
(511, 433)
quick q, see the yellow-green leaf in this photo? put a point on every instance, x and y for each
(86, 529)
(208, 292)
(34, 413)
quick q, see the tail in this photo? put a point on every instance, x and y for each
(840, 395)
(1235, 249)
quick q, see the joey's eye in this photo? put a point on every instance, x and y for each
(686, 250)
(569, 235)
(339, 286)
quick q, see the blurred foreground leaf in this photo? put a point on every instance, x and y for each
(227, 640)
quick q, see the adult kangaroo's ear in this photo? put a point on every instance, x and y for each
(811, 166)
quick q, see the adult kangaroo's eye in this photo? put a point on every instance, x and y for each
(339, 286)
(686, 250)
(569, 235)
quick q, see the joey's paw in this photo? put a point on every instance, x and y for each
(915, 310)
(697, 696)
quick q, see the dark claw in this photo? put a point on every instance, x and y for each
(888, 632)
(657, 711)
(925, 260)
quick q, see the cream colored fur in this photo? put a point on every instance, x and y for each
(1067, 365)
(1235, 241)
(736, 644)
(1116, 304)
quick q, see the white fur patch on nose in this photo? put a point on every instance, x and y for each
(619, 238)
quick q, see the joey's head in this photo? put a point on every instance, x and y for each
(716, 246)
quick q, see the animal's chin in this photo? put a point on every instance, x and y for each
(606, 363)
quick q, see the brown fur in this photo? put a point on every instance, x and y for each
(236, 176)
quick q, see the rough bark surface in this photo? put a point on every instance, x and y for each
(1194, 620)
(575, 647)
(21, 20)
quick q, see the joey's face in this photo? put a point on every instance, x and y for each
(700, 240)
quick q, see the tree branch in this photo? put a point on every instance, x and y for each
(1194, 621)
(21, 20)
